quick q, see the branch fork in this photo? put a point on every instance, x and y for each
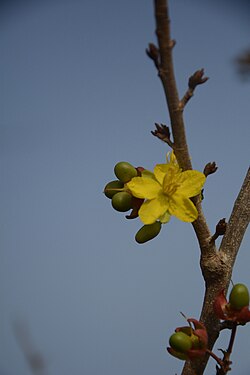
(216, 275)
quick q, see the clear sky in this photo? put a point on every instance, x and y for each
(78, 94)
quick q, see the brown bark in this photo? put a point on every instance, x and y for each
(216, 266)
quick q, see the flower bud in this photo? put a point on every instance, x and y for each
(180, 342)
(239, 297)
(112, 188)
(125, 171)
(122, 201)
(148, 232)
(189, 342)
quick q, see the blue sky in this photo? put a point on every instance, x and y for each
(78, 94)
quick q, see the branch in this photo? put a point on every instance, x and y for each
(166, 74)
(162, 132)
(216, 265)
(217, 270)
(226, 358)
(195, 80)
(238, 222)
(162, 57)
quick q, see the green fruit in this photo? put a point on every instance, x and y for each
(112, 188)
(122, 201)
(125, 171)
(180, 342)
(148, 232)
(239, 296)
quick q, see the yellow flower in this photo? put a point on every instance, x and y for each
(167, 192)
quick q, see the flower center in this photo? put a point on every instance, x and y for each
(170, 182)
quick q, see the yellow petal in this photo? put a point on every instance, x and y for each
(183, 208)
(191, 183)
(143, 187)
(152, 210)
(160, 171)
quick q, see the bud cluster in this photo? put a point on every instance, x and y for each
(235, 309)
(122, 199)
(189, 342)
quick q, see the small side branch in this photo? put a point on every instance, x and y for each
(210, 168)
(220, 230)
(196, 79)
(153, 53)
(238, 222)
(226, 362)
(162, 132)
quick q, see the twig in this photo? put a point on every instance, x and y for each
(228, 324)
(226, 362)
(153, 53)
(196, 79)
(215, 357)
(166, 74)
(220, 230)
(210, 168)
(238, 222)
(162, 132)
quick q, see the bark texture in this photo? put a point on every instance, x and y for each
(216, 264)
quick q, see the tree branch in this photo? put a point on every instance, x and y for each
(166, 73)
(217, 270)
(216, 265)
(238, 222)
